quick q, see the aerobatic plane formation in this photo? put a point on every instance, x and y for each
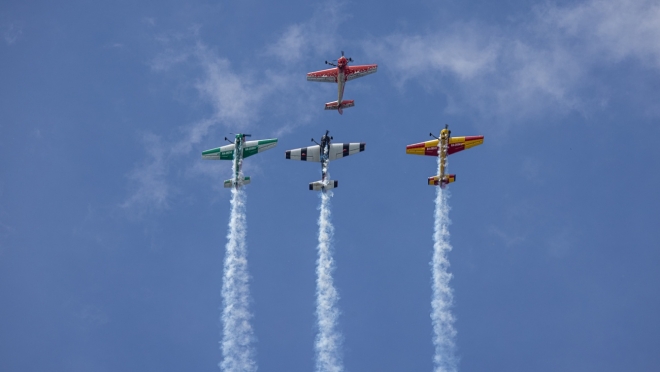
(324, 152)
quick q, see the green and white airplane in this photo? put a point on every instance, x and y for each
(237, 151)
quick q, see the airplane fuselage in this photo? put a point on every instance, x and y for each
(341, 82)
(443, 145)
(325, 152)
(342, 62)
(238, 159)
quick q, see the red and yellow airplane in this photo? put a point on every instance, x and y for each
(443, 146)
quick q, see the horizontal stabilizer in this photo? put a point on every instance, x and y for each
(243, 182)
(435, 180)
(321, 186)
(344, 104)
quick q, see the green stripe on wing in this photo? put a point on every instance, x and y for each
(254, 147)
(219, 153)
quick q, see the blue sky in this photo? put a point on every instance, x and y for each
(112, 228)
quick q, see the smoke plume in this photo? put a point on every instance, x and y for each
(328, 340)
(441, 316)
(237, 334)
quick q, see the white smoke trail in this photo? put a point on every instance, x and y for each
(237, 337)
(328, 340)
(441, 316)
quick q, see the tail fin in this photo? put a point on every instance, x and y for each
(321, 186)
(334, 105)
(435, 180)
(243, 182)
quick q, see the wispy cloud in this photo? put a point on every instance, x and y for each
(168, 58)
(541, 65)
(12, 32)
(612, 29)
(232, 98)
(5, 231)
(531, 170)
(317, 36)
(465, 52)
(151, 21)
(290, 45)
(238, 99)
(150, 190)
(508, 239)
(92, 317)
(560, 244)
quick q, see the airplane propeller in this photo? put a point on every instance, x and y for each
(446, 127)
(349, 58)
(325, 136)
(244, 135)
(342, 54)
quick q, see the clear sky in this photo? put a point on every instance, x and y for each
(112, 228)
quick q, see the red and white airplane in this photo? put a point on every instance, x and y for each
(340, 74)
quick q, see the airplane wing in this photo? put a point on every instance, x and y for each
(428, 148)
(354, 72)
(219, 153)
(311, 153)
(457, 144)
(342, 150)
(324, 76)
(254, 147)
